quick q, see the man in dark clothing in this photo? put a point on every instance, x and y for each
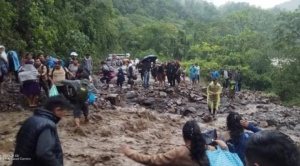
(168, 72)
(238, 81)
(37, 142)
(171, 71)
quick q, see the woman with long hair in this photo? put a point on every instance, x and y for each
(193, 153)
(235, 136)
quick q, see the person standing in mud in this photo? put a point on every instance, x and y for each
(178, 73)
(43, 75)
(154, 72)
(197, 73)
(146, 71)
(214, 91)
(238, 81)
(57, 74)
(131, 75)
(231, 94)
(140, 69)
(120, 79)
(161, 76)
(168, 72)
(172, 70)
(37, 141)
(226, 78)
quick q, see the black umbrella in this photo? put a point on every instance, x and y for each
(152, 58)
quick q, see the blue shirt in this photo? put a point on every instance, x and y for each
(215, 74)
(240, 147)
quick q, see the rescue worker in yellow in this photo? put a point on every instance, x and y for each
(214, 91)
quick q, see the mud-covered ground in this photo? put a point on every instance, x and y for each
(150, 121)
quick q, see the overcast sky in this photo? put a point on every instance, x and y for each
(261, 3)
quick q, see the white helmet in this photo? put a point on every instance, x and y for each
(73, 54)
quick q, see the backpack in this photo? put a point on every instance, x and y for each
(120, 76)
(80, 95)
(107, 68)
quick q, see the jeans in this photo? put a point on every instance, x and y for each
(146, 79)
(236, 86)
(173, 80)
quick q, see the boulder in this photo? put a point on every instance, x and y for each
(149, 102)
(297, 127)
(188, 111)
(263, 124)
(163, 94)
(207, 118)
(131, 95)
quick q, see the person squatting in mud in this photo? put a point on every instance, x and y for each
(195, 152)
(214, 91)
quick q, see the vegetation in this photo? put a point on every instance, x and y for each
(234, 36)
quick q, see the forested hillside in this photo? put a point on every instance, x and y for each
(234, 36)
(289, 5)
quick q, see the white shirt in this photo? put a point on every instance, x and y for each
(198, 69)
(225, 74)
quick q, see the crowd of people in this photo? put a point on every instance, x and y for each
(37, 141)
(38, 71)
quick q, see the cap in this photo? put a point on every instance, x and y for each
(73, 54)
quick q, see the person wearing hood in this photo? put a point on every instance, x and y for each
(28, 77)
(13, 65)
(87, 63)
(214, 91)
(37, 141)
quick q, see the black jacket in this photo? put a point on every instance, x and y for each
(37, 142)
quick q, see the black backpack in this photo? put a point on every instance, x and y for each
(80, 95)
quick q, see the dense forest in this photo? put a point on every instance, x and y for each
(234, 36)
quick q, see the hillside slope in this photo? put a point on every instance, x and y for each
(289, 5)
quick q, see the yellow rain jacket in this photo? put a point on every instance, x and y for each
(213, 100)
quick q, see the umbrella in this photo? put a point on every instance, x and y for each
(151, 57)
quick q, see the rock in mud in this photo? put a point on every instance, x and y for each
(149, 102)
(207, 118)
(297, 127)
(163, 94)
(263, 124)
(131, 95)
(188, 111)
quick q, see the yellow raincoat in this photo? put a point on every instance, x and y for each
(213, 100)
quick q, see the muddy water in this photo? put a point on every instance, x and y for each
(145, 131)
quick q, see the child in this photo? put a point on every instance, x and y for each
(120, 78)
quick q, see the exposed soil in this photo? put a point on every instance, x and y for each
(150, 122)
